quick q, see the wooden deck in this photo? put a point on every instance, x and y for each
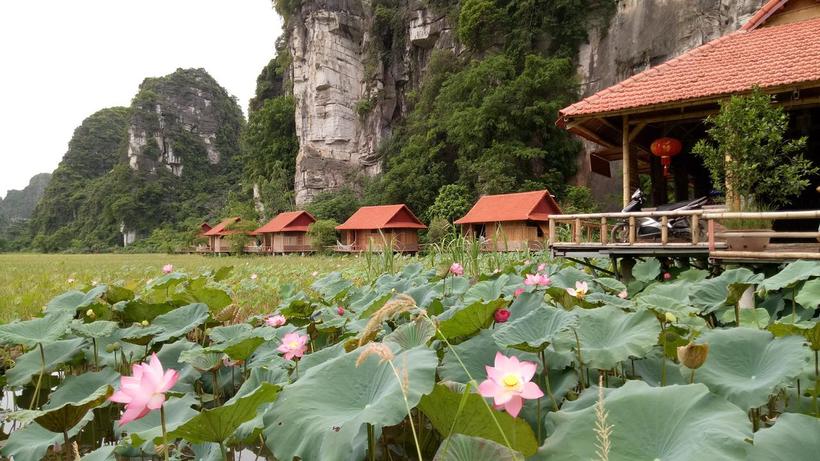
(589, 236)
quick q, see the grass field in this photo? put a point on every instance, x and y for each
(29, 281)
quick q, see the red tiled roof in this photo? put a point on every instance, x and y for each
(382, 217)
(219, 229)
(768, 57)
(763, 13)
(521, 206)
(288, 221)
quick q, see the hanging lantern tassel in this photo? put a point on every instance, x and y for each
(666, 148)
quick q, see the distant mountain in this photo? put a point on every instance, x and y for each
(19, 204)
(168, 158)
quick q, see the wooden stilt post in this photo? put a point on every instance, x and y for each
(627, 161)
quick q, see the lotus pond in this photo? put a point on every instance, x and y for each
(516, 358)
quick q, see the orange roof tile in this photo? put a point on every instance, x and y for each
(288, 221)
(768, 57)
(219, 229)
(382, 217)
(520, 206)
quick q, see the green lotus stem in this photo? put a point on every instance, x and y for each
(544, 368)
(692, 377)
(580, 359)
(663, 354)
(66, 446)
(407, 406)
(737, 314)
(816, 383)
(472, 380)
(165, 433)
(35, 399)
(215, 376)
(96, 358)
(371, 443)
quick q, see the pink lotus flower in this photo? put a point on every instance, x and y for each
(293, 345)
(518, 292)
(623, 294)
(541, 267)
(537, 280)
(275, 320)
(144, 390)
(667, 276)
(167, 269)
(508, 383)
(340, 310)
(457, 269)
(501, 315)
(580, 290)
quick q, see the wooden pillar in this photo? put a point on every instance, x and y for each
(679, 170)
(659, 195)
(627, 161)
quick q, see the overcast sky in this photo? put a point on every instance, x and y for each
(61, 61)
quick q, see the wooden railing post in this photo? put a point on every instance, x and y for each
(577, 230)
(695, 229)
(604, 232)
(552, 231)
(664, 230)
(632, 230)
(711, 230)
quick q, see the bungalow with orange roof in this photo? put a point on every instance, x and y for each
(216, 236)
(511, 222)
(287, 233)
(380, 227)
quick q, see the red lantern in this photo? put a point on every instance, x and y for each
(666, 148)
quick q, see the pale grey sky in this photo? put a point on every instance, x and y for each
(61, 61)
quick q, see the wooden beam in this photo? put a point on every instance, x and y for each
(636, 131)
(627, 173)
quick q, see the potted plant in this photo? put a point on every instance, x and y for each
(750, 158)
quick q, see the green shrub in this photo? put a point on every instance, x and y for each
(452, 202)
(336, 205)
(578, 199)
(322, 234)
(438, 230)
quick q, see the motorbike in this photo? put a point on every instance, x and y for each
(648, 228)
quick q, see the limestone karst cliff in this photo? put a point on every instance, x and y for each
(167, 161)
(353, 64)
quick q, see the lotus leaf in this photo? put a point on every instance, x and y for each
(747, 365)
(610, 284)
(464, 321)
(752, 318)
(104, 453)
(137, 310)
(567, 277)
(71, 301)
(29, 333)
(459, 447)
(793, 437)
(412, 334)
(332, 286)
(323, 415)
(724, 290)
(491, 290)
(809, 294)
(468, 414)
(609, 336)
(31, 443)
(148, 429)
(69, 404)
(179, 321)
(97, 329)
(673, 423)
(217, 424)
(29, 364)
(536, 330)
(647, 270)
(790, 275)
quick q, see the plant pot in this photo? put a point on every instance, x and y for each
(745, 240)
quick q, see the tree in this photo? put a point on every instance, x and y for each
(322, 234)
(452, 202)
(336, 205)
(749, 156)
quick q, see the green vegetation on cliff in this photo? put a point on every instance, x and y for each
(119, 171)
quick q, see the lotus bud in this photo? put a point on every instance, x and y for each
(501, 315)
(670, 317)
(144, 323)
(693, 355)
(90, 313)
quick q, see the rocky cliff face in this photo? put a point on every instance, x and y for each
(188, 103)
(19, 204)
(347, 99)
(347, 103)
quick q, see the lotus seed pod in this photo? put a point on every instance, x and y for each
(692, 355)
(116, 345)
(109, 348)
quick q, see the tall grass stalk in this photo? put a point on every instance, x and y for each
(603, 431)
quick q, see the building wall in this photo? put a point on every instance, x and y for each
(510, 235)
(401, 239)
